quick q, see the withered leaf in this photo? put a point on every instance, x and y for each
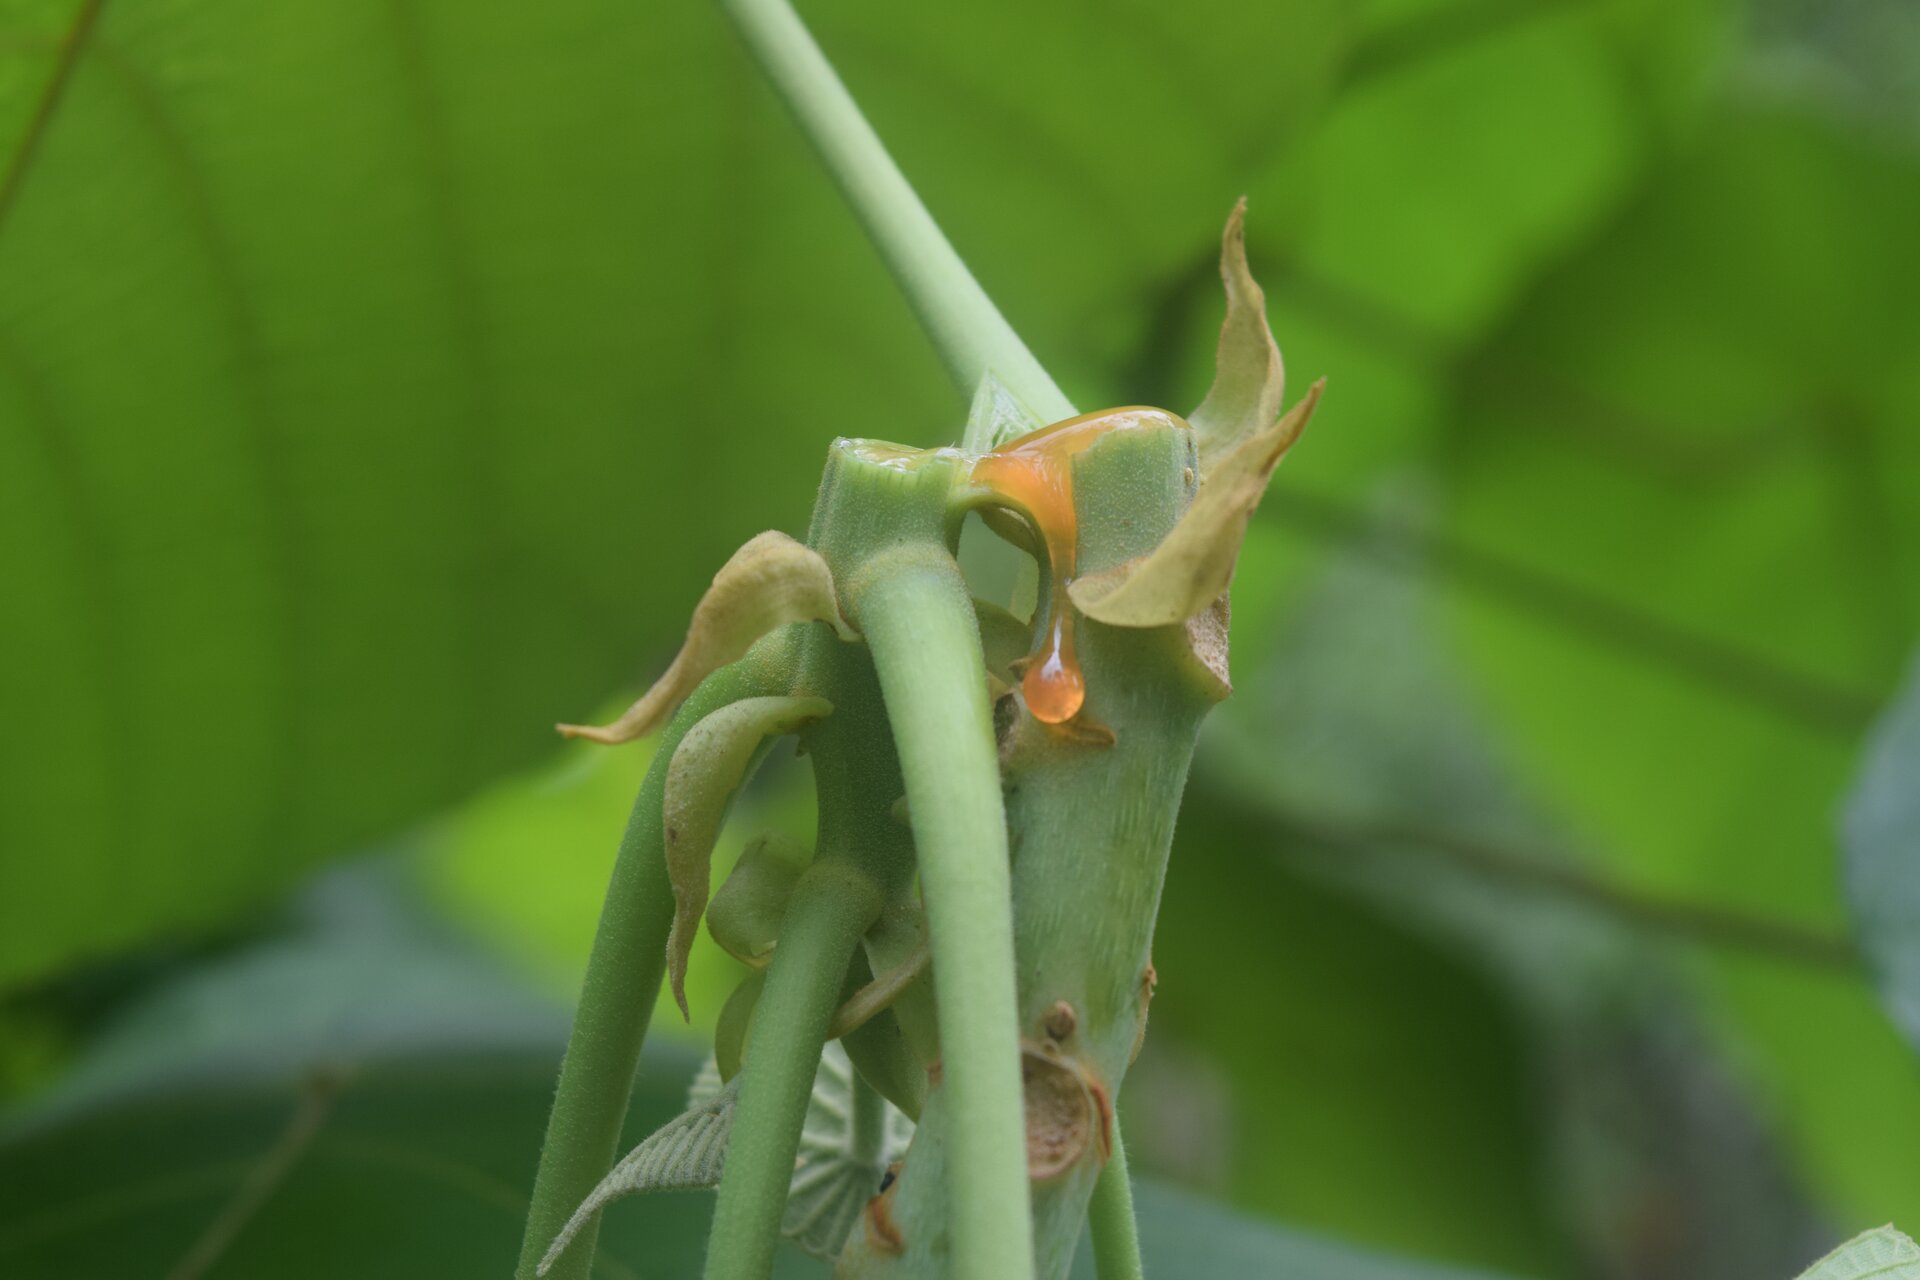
(1193, 565)
(1249, 376)
(768, 583)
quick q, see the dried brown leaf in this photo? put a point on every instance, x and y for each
(768, 583)
(1193, 565)
(1249, 377)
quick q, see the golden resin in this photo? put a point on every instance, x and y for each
(1034, 476)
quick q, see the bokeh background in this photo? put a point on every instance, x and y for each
(381, 381)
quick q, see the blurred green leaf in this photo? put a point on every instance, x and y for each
(1685, 457)
(1679, 541)
(1471, 146)
(1856, 59)
(404, 1170)
(1353, 755)
(1182, 1235)
(362, 366)
(381, 381)
(1882, 835)
(1834, 1076)
(1364, 1082)
(347, 398)
(359, 1094)
(275, 1147)
(420, 1169)
(1461, 154)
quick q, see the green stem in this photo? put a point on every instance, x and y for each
(1116, 1240)
(867, 1118)
(616, 1001)
(831, 908)
(969, 331)
(914, 610)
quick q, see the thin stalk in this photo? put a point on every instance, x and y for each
(919, 624)
(868, 1119)
(831, 908)
(616, 1001)
(969, 331)
(1116, 1239)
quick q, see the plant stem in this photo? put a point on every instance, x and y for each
(913, 608)
(832, 907)
(969, 331)
(1116, 1239)
(867, 1117)
(616, 1001)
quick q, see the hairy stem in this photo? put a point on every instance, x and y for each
(918, 620)
(969, 331)
(832, 907)
(616, 1001)
(1116, 1240)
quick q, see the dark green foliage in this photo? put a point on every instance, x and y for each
(382, 380)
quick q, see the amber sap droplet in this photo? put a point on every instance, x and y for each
(1034, 475)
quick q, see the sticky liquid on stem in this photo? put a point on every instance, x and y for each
(1034, 474)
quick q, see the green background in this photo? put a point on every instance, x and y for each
(382, 380)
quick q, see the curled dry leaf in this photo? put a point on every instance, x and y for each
(1193, 565)
(768, 583)
(706, 769)
(745, 914)
(1249, 376)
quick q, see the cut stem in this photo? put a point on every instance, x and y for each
(1116, 1238)
(914, 610)
(832, 907)
(972, 336)
(616, 1001)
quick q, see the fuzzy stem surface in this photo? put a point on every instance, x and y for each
(968, 330)
(832, 907)
(918, 620)
(1116, 1239)
(616, 1002)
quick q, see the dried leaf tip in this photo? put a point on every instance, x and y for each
(770, 582)
(1193, 565)
(1249, 376)
(1241, 436)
